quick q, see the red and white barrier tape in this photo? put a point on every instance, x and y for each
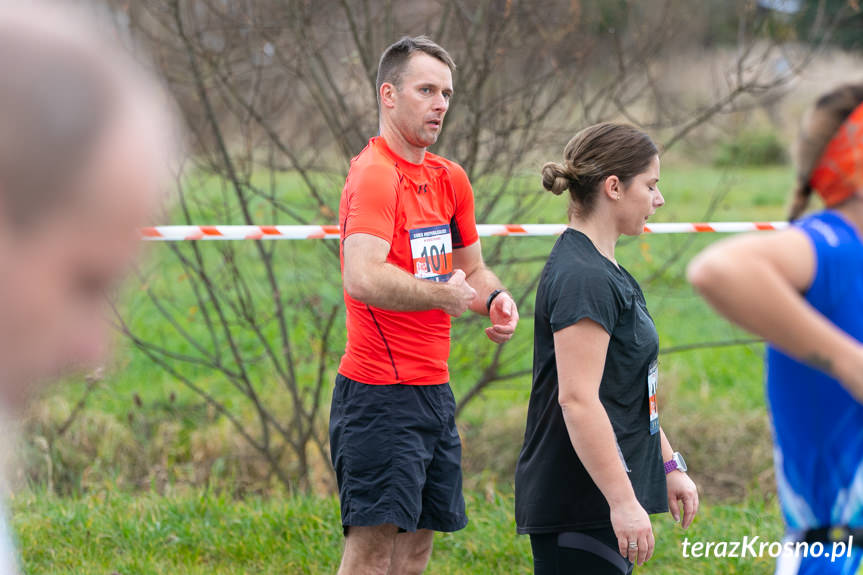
(187, 233)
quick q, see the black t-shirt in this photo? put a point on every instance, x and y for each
(553, 490)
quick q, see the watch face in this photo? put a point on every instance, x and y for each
(681, 463)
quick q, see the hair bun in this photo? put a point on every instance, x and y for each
(556, 178)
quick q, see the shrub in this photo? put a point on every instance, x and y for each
(751, 148)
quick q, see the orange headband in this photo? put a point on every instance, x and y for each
(839, 173)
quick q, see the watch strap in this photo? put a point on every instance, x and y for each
(491, 297)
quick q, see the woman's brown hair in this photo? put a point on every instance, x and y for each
(819, 126)
(594, 154)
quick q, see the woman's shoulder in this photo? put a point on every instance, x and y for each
(830, 228)
(835, 241)
(838, 269)
(575, 265)
(573, 254)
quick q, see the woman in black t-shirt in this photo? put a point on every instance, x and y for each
(595, 461)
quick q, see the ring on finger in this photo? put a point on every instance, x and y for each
(633, 544)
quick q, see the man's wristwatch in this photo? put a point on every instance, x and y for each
(677, 462)
(491, 297)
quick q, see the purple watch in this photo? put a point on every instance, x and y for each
(676, 462)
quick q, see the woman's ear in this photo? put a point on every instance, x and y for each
(612, 188)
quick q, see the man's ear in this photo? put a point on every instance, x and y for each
(387, 95)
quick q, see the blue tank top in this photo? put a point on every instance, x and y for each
(817, 424)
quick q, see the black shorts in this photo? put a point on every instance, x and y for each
(397, 455)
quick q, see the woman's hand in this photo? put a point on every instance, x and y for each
(631, 524)
(682, 490)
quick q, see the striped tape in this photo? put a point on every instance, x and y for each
(194, 233)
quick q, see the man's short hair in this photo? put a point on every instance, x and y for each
(396, 56)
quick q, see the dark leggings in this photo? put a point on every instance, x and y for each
(576, 553)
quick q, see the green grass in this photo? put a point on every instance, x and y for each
(209, 535)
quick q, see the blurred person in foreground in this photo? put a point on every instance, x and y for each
(595, 461)
(802, 290)
(84, 147)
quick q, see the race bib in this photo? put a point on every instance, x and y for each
(652, 379)
(431, 250)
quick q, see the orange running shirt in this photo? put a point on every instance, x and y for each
(424, 211)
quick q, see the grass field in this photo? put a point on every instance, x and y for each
(132, 458)
(208, 535)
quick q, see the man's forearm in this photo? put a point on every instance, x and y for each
(389, 287)
(484, 282)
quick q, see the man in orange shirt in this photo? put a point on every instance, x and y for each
(411, 258)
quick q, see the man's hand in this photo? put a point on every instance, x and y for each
(682, 489)
(504, 317)
(460, 294)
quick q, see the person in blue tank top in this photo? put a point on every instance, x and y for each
(802, 290)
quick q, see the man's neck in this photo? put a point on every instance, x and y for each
(402, 148)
